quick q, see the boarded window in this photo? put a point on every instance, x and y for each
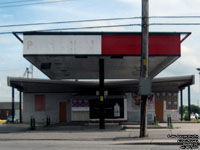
(39, 103)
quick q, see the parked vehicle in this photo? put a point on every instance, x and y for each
(9, 119)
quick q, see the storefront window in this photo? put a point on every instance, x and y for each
(172, 102)
(170, 98)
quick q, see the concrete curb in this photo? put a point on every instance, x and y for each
(148, 127)
(148, 142)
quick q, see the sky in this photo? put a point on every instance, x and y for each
(11, 50)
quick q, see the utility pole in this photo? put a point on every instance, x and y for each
(145, 81)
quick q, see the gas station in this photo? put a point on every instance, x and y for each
(94, 77)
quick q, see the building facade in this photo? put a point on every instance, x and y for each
(64, 107)
(72, 59)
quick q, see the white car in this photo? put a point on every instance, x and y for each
(9, 119)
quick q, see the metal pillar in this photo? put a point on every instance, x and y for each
(189, 110)
(101, 94)
(13, 104)
(20, 106)
(144, 63)
(181, 99)
(143, 117)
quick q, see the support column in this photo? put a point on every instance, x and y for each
(189, 109)
(101, 94)
(143, 117)
(20, 106)
(181, 102)
(13, 104)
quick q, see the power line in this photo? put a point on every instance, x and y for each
(92, 20)
(76, 28)
(109, 26)
(65, 22)
(174, 24)
(173, 17)
(47, 2)
(93, 27)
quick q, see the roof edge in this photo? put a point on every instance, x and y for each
(91, 33)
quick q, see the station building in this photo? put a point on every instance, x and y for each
(71, 61)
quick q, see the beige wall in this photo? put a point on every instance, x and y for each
(51, 107)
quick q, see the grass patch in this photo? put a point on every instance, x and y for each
(171, 126)
(155, 123)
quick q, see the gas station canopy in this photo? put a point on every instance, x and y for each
(163, 84)
(75, 55)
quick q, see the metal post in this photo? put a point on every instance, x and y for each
(144, 63)
(168, 121)
(143, 117)
(13, 104)
(181, 98)
(32, 123)
(189, 110)
(20, 106)
(101, 94)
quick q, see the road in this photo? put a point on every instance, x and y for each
(71, 145)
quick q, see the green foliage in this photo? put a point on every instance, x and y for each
(155, 123)
(185, 115)
(184, 109)
(193, 108)
(171, 126)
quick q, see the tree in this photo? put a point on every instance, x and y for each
(193, 108)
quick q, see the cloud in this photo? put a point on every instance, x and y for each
(6, 16)
(11, 49)
(186, 65)
(131, 1)
(177, 7)
(188, 58)
(102, 23)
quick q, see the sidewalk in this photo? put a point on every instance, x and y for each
(113, 134)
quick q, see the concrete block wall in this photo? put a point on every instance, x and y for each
(52, 108)
(52, 101)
